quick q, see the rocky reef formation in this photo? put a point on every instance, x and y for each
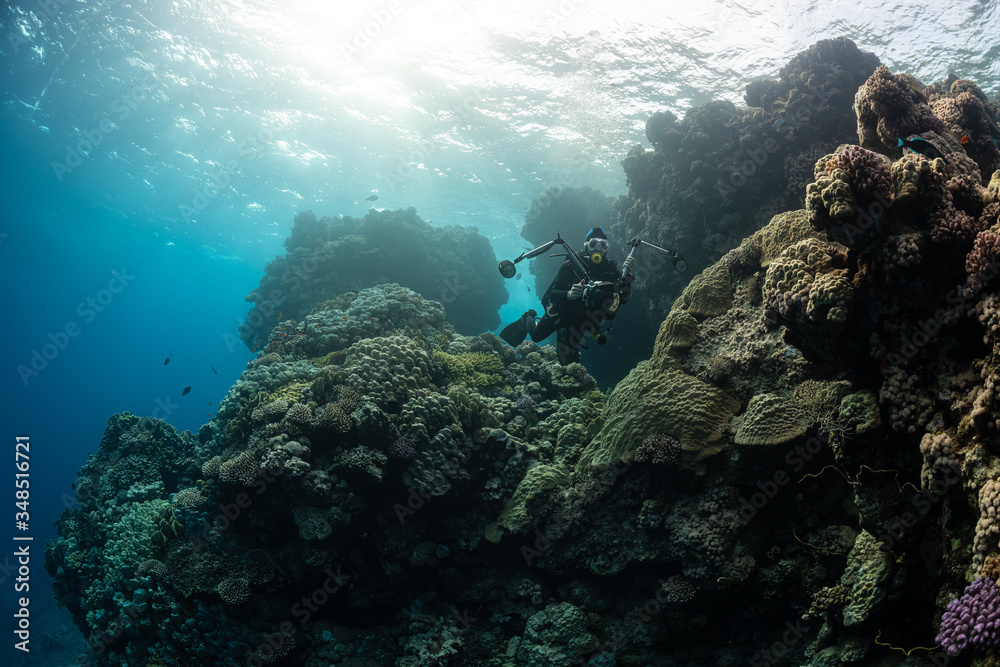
(806, 471)
(330, 256)
(713, 178)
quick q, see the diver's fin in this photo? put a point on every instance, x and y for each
(515, 332)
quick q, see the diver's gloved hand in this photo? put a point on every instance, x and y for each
(575, 292)
(629, 264)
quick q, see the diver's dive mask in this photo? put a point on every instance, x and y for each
(597, 248)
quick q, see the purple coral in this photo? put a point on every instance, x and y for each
(866, 172)
(981, 262)
(973, 620)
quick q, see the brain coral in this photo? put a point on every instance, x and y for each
(771, 420)
(386, 369)
(658, 397)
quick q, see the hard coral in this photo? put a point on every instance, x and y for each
(659, 448)
(972, 620)
(890, 106)
(235, 590)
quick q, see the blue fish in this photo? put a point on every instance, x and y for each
(750, 127)
(779, 122)
(921, 146)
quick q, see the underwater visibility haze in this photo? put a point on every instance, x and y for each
(523, 334)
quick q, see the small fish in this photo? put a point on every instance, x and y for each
(167, 360)
(210, 402)
(372, 198)
(186, 390)
(725, 581)
(373, 319)
(779, 122)
(345, 317)
(965, 139)
(213, 370)
(921, 146)
(73, 485)
(749, 127)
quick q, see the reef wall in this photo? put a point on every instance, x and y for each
(804, 472)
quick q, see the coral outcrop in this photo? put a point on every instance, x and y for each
(331, 256)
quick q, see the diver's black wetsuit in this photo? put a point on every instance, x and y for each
(572, 317)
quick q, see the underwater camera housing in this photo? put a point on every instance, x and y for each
(605, 295)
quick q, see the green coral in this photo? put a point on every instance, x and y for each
(867, 576)
(861, 411)
(476, 369)
(771, 419)
(678, 330)
(291, 392)
(133, 539)
(556, 637)
(657, 396)
(538, 479)
(710, 293)
(240, 426)
(783, 230)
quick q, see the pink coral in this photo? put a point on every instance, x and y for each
(950, 224)
(866, 172)
(981, 262)
(890, 106)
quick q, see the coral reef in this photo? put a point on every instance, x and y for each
(331, 256)
(808, 458)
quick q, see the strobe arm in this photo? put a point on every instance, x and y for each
(680, 264)
(507, 268)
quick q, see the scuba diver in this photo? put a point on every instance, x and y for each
(584, 295)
